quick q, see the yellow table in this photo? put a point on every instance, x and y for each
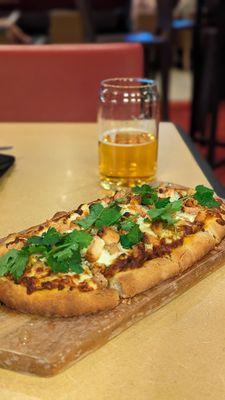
(176, 353)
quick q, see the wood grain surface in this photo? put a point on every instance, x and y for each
(45, 346)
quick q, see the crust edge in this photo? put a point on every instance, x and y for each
(153, 272)
(57, 303)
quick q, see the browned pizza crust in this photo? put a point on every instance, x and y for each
(134, 281)
(215, 229)
(63, 303)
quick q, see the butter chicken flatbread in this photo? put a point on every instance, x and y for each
(88, 260)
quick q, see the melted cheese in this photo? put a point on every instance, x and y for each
(186, 216)
(106, 258)
(145, 227)
(148, 246)
(174, 196)
(73, 216)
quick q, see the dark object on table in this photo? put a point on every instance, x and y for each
(5, 163)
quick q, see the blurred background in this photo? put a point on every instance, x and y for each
(184, 50)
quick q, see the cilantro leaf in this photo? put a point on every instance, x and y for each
(148, 194)
(175, 206)
(154, 213)
(49, 238)
(35, 249)
(162, 202)
(6, 261)
(127, 225)
(95, 212)
(133, 237)
(121, 200)
(166, 214)
(63, 256)
(71, 264)
(167, 217)
(205, 197)
(100, 216)
(142, 190)
(14, 263)
(35, 240)
(83, 239)
(18, 267)
(64, 251)
(108, 217)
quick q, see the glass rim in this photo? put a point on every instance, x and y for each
(128, 83)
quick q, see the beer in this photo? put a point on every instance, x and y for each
(128, 120)
(127, 157)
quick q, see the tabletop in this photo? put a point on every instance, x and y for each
(177, 352)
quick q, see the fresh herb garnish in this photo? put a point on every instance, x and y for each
(61, 250)
(95, 212)
(14, 263)
(148, 194)
(73, 263)
(65, 256)
(205, 197)
(83, 239)
(133, 237)
(108, 217)
(128, 224)
(162, 202)
(166, 214)
(100, 216)
(48, 238)
(120, 200)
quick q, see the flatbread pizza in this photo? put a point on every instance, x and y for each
(90, 259)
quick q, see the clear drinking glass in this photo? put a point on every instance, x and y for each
(128, 120)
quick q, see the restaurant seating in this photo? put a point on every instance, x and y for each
(61, 82)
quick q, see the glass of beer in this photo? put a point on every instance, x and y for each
(128, 119)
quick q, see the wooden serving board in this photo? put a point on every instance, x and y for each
(46, 346)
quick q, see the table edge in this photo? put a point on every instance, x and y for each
(202, 163)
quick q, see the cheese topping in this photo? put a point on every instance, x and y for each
(145, 227)
(186, 216)
(106, 258)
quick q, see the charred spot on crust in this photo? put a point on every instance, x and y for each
(31, 283)
(34, 284)
(79, 211)
(59, 215)
(84, 287)
(220, 221)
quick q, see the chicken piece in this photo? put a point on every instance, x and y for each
(201, 216)
(150, 239)
(94, 250)
(157, 227)
(190, 202)
(112, 248)
(110, 236)
(100, 280)
(191, 210)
